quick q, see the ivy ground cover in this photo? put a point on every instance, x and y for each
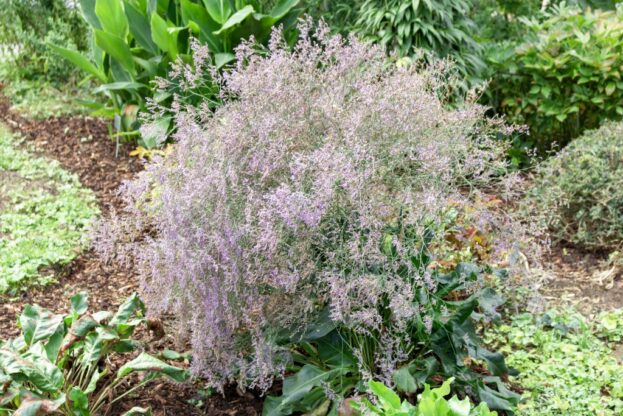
(43, 213)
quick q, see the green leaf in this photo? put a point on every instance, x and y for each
(79, 401)
(132, 306)
(88, 11)
(148, 363)
(120, 86)
(610, 88)
(140, 28)
(38, 324)
(79, 303)
(80, 61)
(236, 19)
(166, 40)
(33, 406)
(386, 396)
(219, 10)
(117, 48)
(222, 59)
(194, 13)
(111, 16)
(405, 382)
(282, 8)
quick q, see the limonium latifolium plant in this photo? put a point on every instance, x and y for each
(315, 191)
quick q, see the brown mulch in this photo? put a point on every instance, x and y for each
(82, 145)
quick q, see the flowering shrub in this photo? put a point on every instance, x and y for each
(310, 203)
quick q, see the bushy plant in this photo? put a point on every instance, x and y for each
(61, 364)
(308, 206)
(26, 26)
(135, 42)
(442, 27)
(579, 192)
(564, 77)
(431, 402)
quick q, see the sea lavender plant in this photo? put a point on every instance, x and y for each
(315, 187)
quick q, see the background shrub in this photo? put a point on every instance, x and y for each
(579, 192)
(443, 27)
(26, 26)
(308, 206)
(564, 78)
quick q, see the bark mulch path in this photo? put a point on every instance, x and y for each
(82, 146)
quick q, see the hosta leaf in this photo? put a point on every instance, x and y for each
(79, 303)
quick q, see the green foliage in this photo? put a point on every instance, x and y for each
(579, 192)
(442, 27)
(135, 41)
(429, 403)
(43, 213)
(564, 368)
(25, 28)
(564, 78)
(326, 357)
(60, 364)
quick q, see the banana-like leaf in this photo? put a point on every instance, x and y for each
(219, 10)
(116, 86)
(195, 13)
(148, 363)
(111, 16)
(140, 28)
(117, 48)
(165, 39)
(222, 59)
(80, 61)
(282, 8)
(236, 19)
(88, 11)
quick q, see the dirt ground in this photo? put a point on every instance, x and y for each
(82, 145)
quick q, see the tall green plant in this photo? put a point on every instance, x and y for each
(135, 41)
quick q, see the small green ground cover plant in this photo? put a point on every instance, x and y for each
(44, 211)
(432, 402)
(566, 364)
(579, 192)
(62, 364)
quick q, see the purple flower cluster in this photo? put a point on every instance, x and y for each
(278, 204)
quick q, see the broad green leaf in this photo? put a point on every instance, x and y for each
(282, 8)
(33, 406)
(120, 86)
(38, 324)
(140, 28)
(459, 407)
(404, 380)
(111, 16)
(132, 306)
(88, 11)
(194, 13)
(236, 19)
(148, 363)
(117, 48)
(219, 10)
(156, 134)
(79, 402)
(166, 40)
(79, 303)
(80, 61)
(222, 59)
(386, 396)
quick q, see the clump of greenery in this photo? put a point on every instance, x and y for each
(564, 76)
(564, 367)
(431, 402)
(61, 364)
(442, 27)
(26, 26)
(43, 213)
(579, 192)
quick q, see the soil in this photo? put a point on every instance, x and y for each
(82, 145)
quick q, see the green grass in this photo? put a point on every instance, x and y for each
(567, 364)
(43, 215)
